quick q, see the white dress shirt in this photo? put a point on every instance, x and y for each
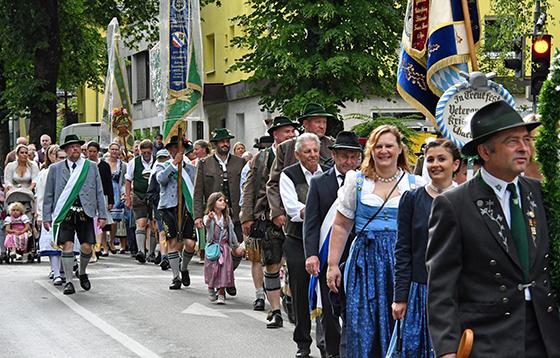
(78, 162)
(289, 195)
(130, 167)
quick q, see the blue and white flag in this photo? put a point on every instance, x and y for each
(434, 50)
(315, 303)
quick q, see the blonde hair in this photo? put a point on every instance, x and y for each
(211, 203)
(368, 164)
(16, 205)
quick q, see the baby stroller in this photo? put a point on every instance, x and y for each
(27, 198)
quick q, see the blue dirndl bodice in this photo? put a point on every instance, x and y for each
(369, 277)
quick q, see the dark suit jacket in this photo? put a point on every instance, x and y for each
(410, 250)
(474, 273)
(322, 193)
(209, 179)
(105, 173)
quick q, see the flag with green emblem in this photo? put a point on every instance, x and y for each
(181, 61)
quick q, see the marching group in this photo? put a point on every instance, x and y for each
(363, 240)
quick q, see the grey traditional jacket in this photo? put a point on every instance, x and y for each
(91, 195)
(165, 173)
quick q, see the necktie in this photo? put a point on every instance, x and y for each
(73, 166)
(341, 177)
(519, 230)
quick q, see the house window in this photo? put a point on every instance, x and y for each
(142, 72)
(210, 54)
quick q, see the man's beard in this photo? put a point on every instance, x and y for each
(222, 150)
(147, 158)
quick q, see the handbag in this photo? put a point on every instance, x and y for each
(212, 250)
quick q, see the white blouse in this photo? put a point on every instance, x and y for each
(347, 193)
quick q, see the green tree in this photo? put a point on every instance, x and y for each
(548, 154)
(328, 51)
(47, 45)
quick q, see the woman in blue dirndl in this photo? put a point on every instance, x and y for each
(442, 159)
(369, 270)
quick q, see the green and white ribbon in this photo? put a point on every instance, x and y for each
(187, 186)
(69, 194)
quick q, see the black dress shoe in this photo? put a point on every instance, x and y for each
(232, 291)
(175, 284)
(185, 278)
(164, 263)
(69, 289)
(84, 282)
(276, 321)
(258, 305)
(157, 260)
(140, 257)
(303, 353)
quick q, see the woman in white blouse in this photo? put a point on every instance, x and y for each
(369, 202)
(21, 173)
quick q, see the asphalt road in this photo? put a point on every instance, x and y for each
(130, 312)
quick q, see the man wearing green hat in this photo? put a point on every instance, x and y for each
(220, 172)
(315, 119)
(263, 247)
(488, 250)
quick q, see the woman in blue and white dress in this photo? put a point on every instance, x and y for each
(369, 200)
(442, 160)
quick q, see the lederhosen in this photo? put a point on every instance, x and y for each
(140, 205)
(266, 238)
(227, 194)
(76, 223)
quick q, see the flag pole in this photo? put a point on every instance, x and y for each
(180, 185)
(470, 38)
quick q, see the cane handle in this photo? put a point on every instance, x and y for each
(466, 344)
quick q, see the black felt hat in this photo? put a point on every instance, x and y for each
(491, 119)
(346, 140)
(71, 139)
(263, 142)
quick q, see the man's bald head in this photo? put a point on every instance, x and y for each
(21, 140)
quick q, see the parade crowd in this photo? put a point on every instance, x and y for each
(387, 259)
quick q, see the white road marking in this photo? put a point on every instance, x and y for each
(201, 310)
(105, 327)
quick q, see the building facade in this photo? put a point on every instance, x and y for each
(226, 103)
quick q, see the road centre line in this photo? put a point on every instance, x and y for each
(128, 342)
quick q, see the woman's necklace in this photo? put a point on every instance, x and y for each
(437, 190)
(389, 179)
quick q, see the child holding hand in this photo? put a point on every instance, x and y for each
(218, 274)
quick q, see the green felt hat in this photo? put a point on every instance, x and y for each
(313, 109)
(221, 133)
(279, 122)
(491, 119)
(189, 147)
(71, 139)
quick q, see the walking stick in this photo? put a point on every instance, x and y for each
(470, 37)
(180, 186)
(465, 346)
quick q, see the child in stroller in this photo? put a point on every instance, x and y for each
(18, 230)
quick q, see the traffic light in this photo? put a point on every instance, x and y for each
(540, 56)
(517, 62)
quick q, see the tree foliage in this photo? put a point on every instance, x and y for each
(327, 51)
(47, 45)
(513, 19)
(368, 124)
(548, 154)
